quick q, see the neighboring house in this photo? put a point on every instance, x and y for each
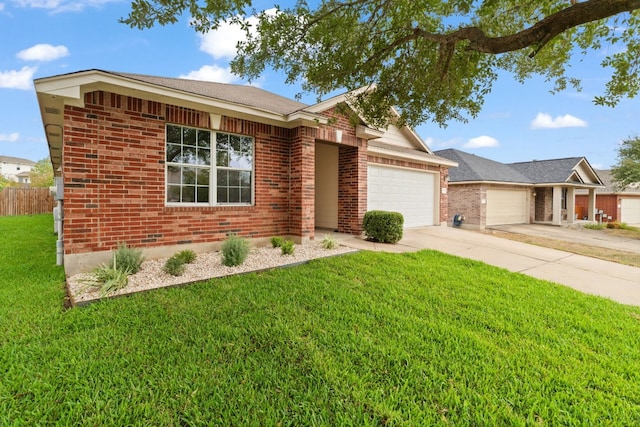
(490, 193)
(16, 169)
(612, 205)
(167, 164)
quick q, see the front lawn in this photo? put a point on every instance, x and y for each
(362, 339)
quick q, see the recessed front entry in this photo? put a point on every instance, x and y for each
(326, 198)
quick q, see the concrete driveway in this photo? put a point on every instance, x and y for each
(576, 235)
(618, 282)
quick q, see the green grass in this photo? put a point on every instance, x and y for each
(361, 339)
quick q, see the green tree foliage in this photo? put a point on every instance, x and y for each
(4, 182)
(627, 171)
(42, 174)
(432, 59)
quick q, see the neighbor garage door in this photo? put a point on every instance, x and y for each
(407, 191)
(507, 207)
(630, 211)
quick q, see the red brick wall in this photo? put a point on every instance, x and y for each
(605, 202)
(465, 199)
(114, 176)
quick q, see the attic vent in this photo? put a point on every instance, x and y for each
(53, 134)
(51, 110)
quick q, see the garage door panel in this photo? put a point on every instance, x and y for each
(409, 192)
(507, 207)
(630, 211)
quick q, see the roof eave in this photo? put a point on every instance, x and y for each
(440, 161)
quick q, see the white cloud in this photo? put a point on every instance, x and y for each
(12, 137)
(545, 121)
(221, 42)
(43, 52)
(482, 142)
(1, 7)
(13, 79)
(211, 73)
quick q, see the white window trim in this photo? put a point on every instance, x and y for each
(213, 168)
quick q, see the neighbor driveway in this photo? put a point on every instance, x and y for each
(618, 282)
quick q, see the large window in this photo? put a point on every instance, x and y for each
(201, 173)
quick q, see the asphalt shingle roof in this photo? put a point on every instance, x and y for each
(476, 168)
(547, 171)
(609, 185)
(250, 96)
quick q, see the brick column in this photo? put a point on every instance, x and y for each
(302, 184)
(352, 188)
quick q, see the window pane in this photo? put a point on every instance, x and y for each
(173, 174)
(235, 143)
(203, 194)
(204, 139)
(203, 176)
(204, 156)
(222, 158)
(234, 195)
(188, 194)
(189, 136)
(222, 195)
(173, 134)
(234, 178)
(173, 193)
(245, 195)
(239, 161)
(223, 181)
(189, 176)
(173, 153)
(189, 155)
(222, 141)
(246, 144)
(245, 179)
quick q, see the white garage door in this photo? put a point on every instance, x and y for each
(630, 211)
(507, 207)
(410, 192)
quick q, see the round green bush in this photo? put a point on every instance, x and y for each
(234, 251)
(383, 226)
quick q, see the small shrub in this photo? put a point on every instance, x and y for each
(329, 242)
(288, 247)
(594, 226)
(174, 265)
(614, 225)
(128, 259)
(234, 250)
(110, 278)
(187, 256)
(383, 226)
(277, 241)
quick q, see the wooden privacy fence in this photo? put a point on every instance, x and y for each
(25, 201)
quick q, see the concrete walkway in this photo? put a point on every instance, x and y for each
(618, 282)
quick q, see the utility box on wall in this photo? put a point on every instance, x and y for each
(59, 188)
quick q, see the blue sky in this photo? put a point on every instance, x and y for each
(41, 38)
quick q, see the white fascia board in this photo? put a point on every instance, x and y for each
(368, 133)
(77, 85)
(518, 184)
(409, 156)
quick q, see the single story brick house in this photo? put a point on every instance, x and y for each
(620, 206)
(490, 193)
(166, 164)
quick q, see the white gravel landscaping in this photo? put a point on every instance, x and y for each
(206, 266)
